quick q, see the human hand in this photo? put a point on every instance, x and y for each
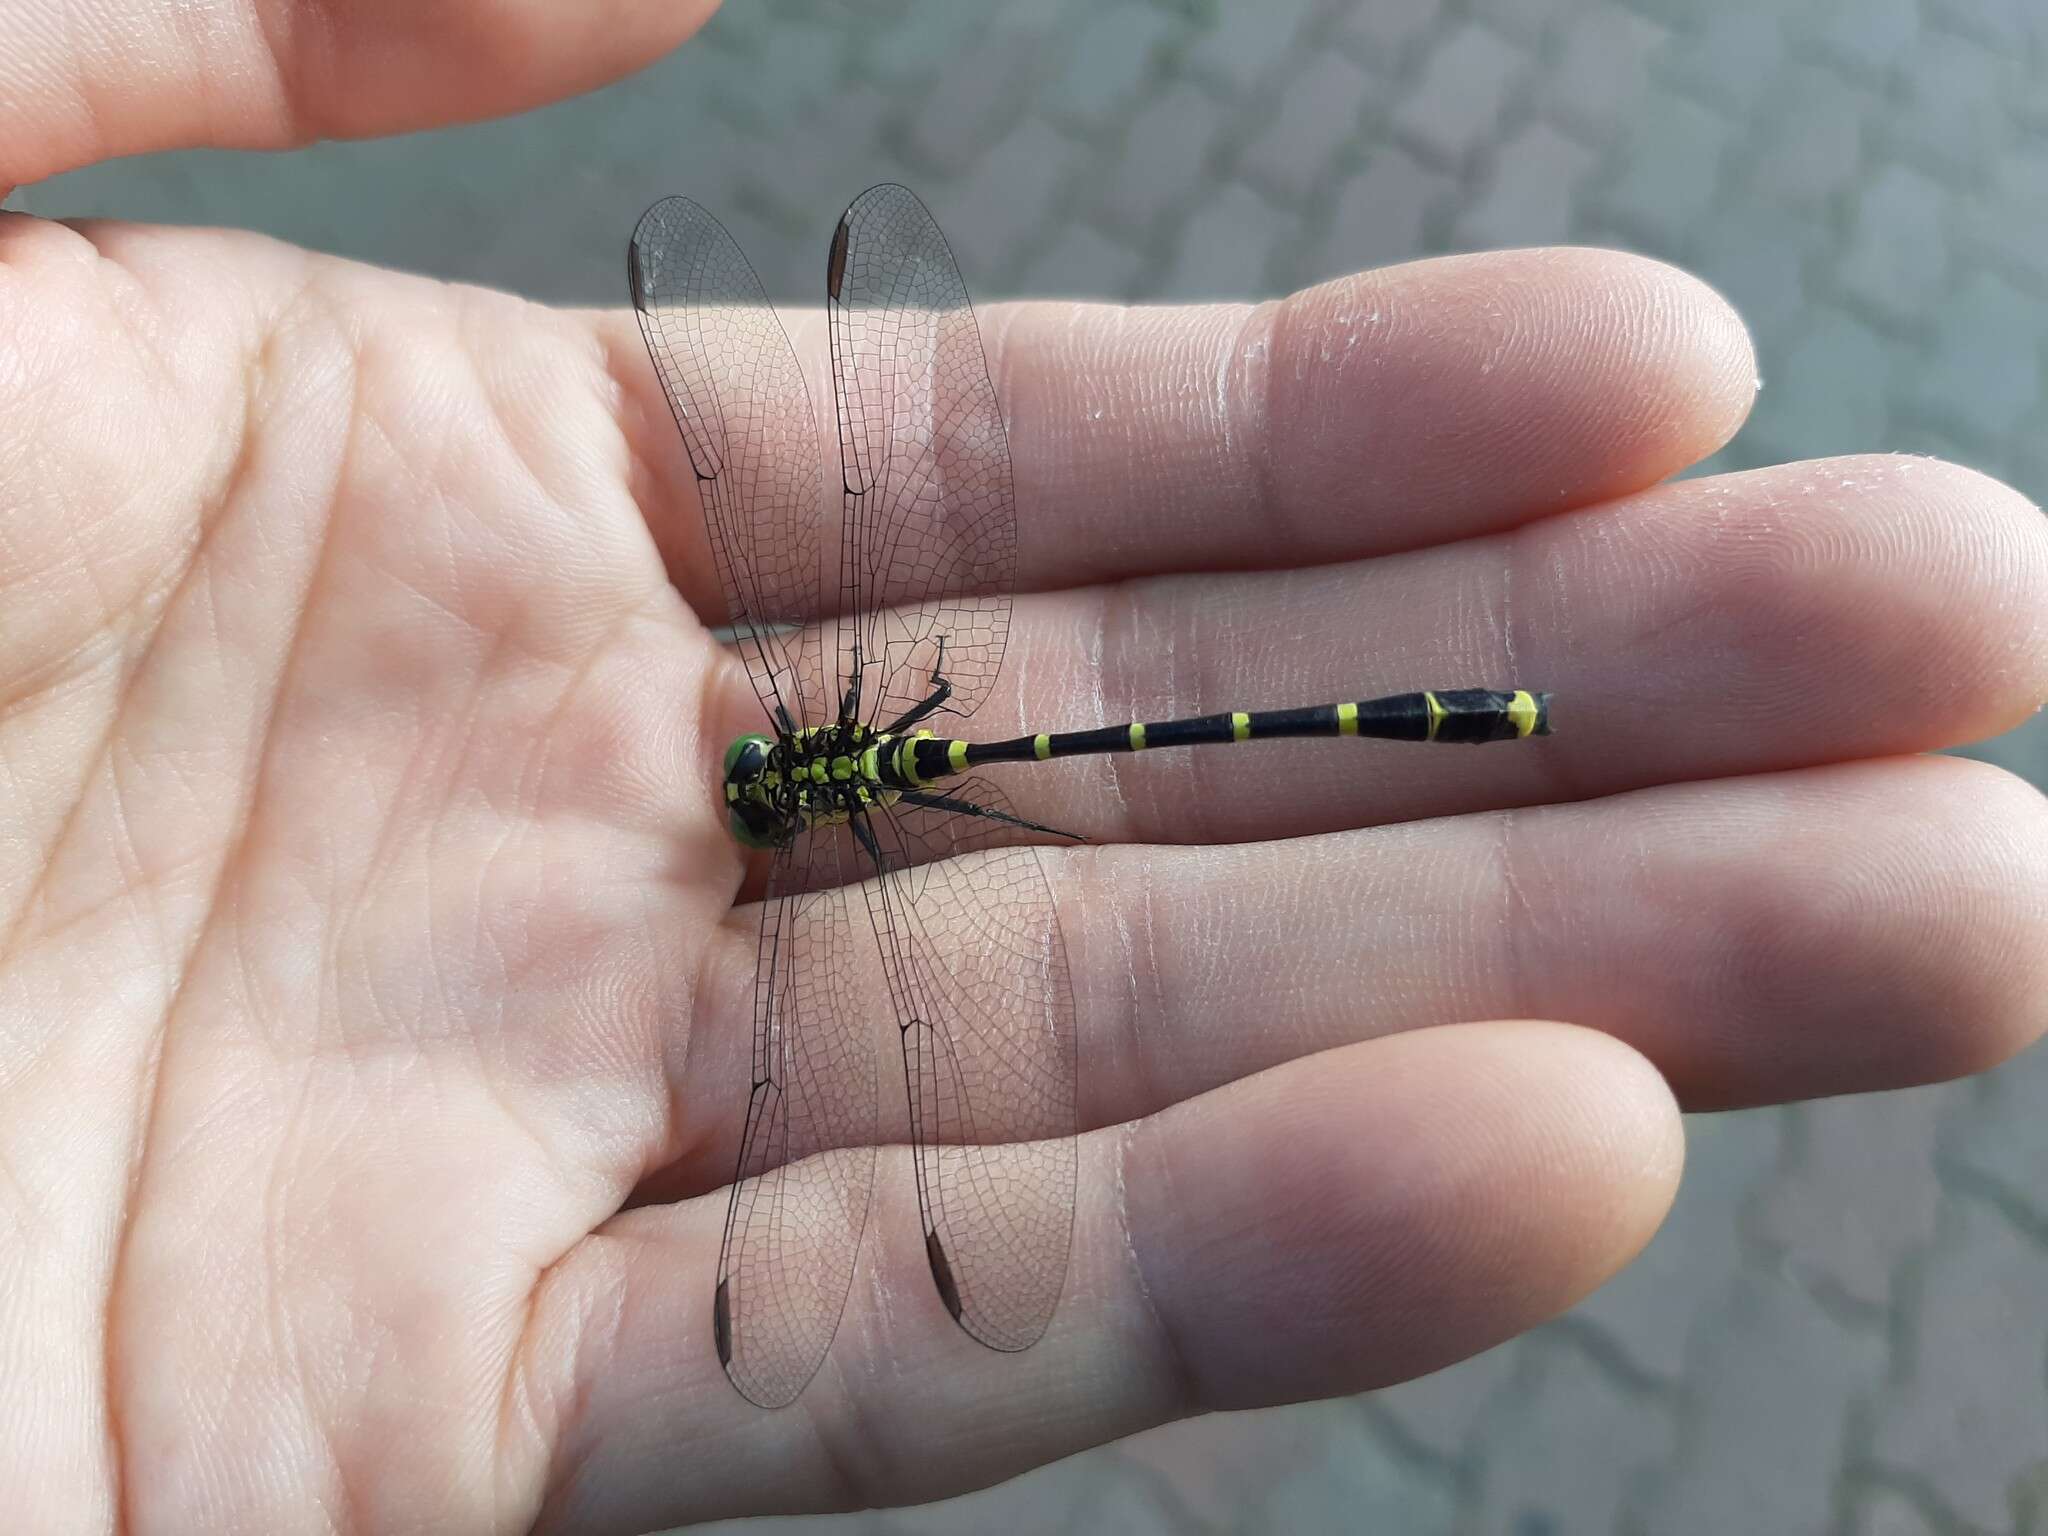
(373, 965)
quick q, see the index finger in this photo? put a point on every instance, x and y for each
(1387, 411)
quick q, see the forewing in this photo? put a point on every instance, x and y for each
(929, 547)
(800, 1194)
(980, 977)
(738, 396)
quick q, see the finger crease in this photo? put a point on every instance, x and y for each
(1179, 1383)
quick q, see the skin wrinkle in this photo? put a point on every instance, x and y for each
(857, 1463)
(1545, 654)
(1131, 992)
(1173, 655)
(1153, 984)
(590, 656)
(467, 318)
(568, 1453)
(1652, 330)
(543, 750)
(1251, 385)
(77, 48)
(519, 1414)
(1222, 391)
(283, 30)
(388, 843)
(282, 1344)
(1505, 623)
(24, 790)
(172, 586)
(1112, 616)
(1181, 1391)
(675, 1056)
(135, 880)
(555, 1157)
(184, 35)
(1516, 921)
(632, 399)
(130, 306)
(75, 556)
(514, 1382)
(1184, 780)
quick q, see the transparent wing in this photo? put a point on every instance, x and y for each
(807, 1157)
(929, 537)
(978, 971)
(738, 396)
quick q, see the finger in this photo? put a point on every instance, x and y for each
(1333, 1225)
(1790, 936)
(1740, 624)
(100, 78)
(1800, 935)
(1400, 408)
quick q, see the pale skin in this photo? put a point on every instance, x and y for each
(374, 981)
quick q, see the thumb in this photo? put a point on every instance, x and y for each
(86, 80)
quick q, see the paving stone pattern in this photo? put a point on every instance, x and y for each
(1844, 1328)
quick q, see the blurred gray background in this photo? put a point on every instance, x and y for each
(1844, 1327)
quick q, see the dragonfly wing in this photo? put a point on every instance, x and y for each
(980, 981)
(929, 533)
(800, 1194)
(738, 395)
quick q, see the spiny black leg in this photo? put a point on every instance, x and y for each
(864, 834)
(849, 702)
(927, 706)
(941, 691)
(932, 802)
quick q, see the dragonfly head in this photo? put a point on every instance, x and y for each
(753, 814)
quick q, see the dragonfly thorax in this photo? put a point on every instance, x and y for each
(776, 786)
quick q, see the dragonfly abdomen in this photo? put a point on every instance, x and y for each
(1446, 714)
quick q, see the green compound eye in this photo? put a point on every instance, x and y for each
(744, 833)
(752, 819)
(745, 758)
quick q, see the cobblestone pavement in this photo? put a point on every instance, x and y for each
(1844, 1327)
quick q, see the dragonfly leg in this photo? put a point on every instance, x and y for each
(849, 702)
(932, 702)
(932, 802)
(864, 834)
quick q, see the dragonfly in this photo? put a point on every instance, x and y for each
(897, 868)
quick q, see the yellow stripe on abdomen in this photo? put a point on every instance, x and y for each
(1522, 712)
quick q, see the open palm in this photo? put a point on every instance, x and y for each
(375, 995)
